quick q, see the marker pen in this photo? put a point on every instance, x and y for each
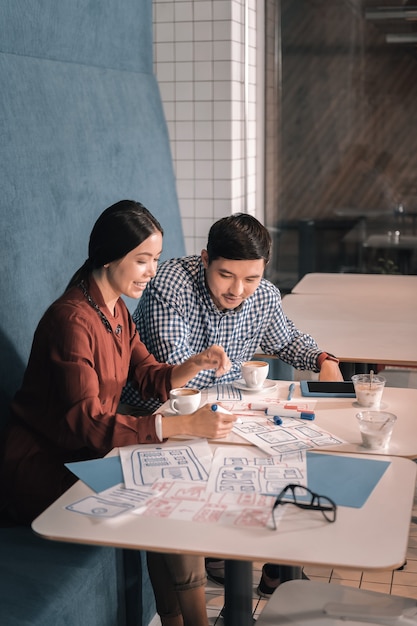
(283, 411)
(291, 390)
(221, 409)
(301, 415)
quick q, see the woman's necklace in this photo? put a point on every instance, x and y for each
(95, 307)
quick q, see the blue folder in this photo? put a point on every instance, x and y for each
(348, 481)
(99, 474)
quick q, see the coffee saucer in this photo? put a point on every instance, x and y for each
(267, 386)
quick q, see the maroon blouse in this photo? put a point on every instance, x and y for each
(66, 409)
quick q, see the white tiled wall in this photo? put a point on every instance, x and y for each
(207, 59)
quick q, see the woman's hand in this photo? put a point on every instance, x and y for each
(203, 423)
(214, 358)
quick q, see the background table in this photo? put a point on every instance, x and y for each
(402, 246)
(396, 286)
(359, 328)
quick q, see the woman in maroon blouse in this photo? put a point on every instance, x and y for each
(84, 350)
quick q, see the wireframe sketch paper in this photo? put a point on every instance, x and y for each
(260, 430)
(186, 461)
(112, 502)
(291, 436)
(234, 494)
(240, 470)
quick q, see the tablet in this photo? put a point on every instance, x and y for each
(342, 389)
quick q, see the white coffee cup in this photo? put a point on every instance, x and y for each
(254, 373)
(184, 400)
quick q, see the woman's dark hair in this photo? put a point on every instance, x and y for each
(239, 237)
(119, 229)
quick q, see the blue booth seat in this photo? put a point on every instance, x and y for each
(81, 127)
(56, 584)
(48, 583)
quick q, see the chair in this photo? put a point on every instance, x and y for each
(310, 603)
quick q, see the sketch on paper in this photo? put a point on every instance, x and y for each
(253, 473)
(112, 502)
(144, 464)
(238, 490)
(291, 436)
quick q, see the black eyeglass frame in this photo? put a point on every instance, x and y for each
(317, 502)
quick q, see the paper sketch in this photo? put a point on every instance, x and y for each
(241, 470)
(98, 507)
(112, 502)
(144, 464)
(226, 392)
(290, 436)
(237, 491)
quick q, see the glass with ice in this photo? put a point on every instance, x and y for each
(376, 428)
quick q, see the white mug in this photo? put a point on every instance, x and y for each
(255, 373)
(184, 400)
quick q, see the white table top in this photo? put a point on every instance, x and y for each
(355, 539)
(337, 415)
(358, 285)
(359, 329)
(358, 538)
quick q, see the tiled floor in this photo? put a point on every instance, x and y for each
(400, 583)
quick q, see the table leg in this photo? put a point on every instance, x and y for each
(238, 593)
(349, 369)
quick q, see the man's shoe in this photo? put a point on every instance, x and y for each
(268, 583)
(270, 580)
(215, 570)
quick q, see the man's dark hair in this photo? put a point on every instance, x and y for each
(239, 237)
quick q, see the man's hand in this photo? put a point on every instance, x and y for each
(214, 358)
(330, 371)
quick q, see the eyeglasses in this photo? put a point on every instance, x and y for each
(304, 498)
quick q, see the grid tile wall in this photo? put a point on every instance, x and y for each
(205, 61)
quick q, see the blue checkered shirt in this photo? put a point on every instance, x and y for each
(177, 318)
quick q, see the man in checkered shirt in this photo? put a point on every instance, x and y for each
(222, 298)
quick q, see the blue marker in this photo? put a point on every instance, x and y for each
(291, 391)
(277, 420)
(301, 415)
(221, 409)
